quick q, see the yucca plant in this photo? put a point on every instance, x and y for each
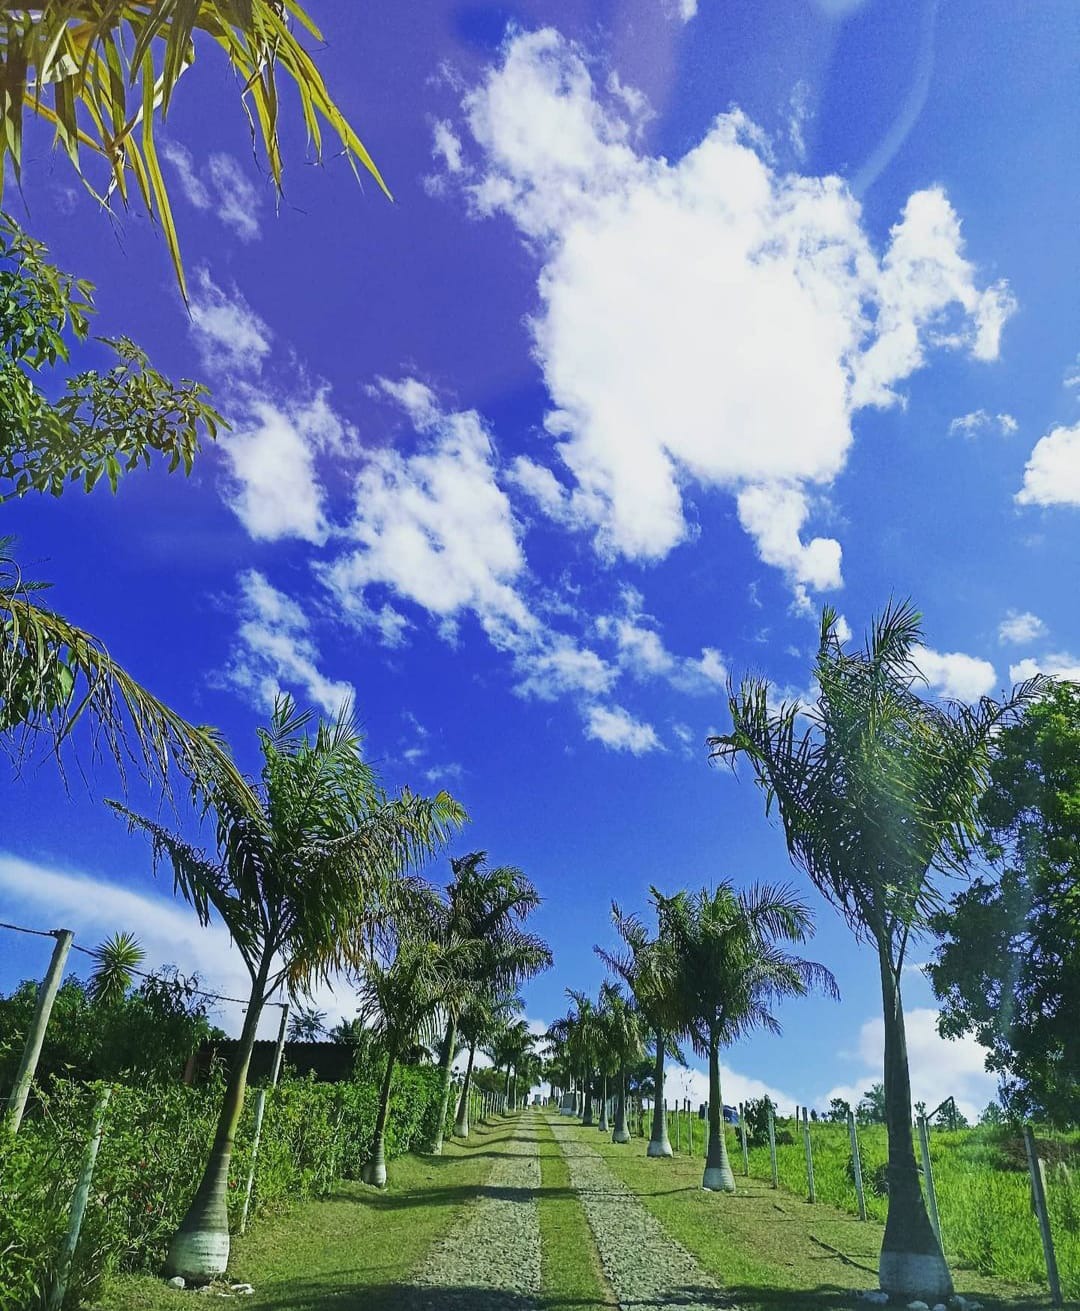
(101, 73)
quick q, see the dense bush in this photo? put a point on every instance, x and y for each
(152, 1153)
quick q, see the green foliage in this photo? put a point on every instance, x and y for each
(871, 1107)
(1008, 970)
(104, 423)
(144, 1037)
(152, 1154)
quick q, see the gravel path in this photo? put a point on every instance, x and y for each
(644, 1265)
(490, 1259)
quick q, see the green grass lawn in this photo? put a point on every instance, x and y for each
(769, 1248)
(571, 1276)
(355, 1248)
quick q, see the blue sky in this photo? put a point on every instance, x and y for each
(686, 320)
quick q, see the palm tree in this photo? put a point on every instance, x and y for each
(299, 885)
(647, 967)
(503, 1046)
(487, 906)
(877, 789)
(731, 972)
(580, 1031)
(484, 1014)
(622, 1046)
(400, 991)
(100, 72)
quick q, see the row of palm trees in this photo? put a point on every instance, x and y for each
(315, 872)
(877, 789)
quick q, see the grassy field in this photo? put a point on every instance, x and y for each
(986, 1218)
(770, 1249)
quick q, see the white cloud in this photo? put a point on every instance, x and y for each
(1021, 627)
(1059, 664)
(167, 929)
(617, 729)
(229, 335)
(843, 629)
(1052, 474)
(970, 425)
(275, 490)
(680, 1082)
(940, 1067)
(222, 188)
(238, 201)
(559, 666)
(954, 674)
(275, 650)
(757, 321)
(640, 650)
(800, 113)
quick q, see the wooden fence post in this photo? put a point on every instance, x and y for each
(809, 1155)
(78, 1204)
(772, 1148)
(742, 1135)
(47, 991)
(856, 1163)
(928, 1175)
(1038, 1193)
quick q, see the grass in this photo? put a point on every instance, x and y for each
(357, 1248)
(768, 1248)
(570, 1272)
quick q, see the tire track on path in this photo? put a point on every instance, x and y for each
(644, 1265)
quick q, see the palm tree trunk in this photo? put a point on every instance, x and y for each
(718, 1177)
(199, 1249)
(603, 1126)
(622, 1133)
(509, 1089)
(587, 1116)
(912, 1264)
(658, 1143)
(446, 1061)
(375, 1170)
(461, 1124)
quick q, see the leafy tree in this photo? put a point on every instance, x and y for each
(756, 1119)
(54, 675)
(1008, 969)
(100, 73)
(877, 790)
(731, 971)
(301, 885)
(307, 1024)
(872, 1108)
(838, 1111)
(488, 906)
(402, 988)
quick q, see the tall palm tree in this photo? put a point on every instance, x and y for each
(877, 789)
(647, 967)
(402, 988)
(487, 906)
(731, 973)
(483, 1015)
(580, 1029)
(299, 884)
(100, 72)
(503, 1046)
(622, 1046)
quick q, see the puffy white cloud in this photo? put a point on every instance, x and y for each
(1059, 664)
(558, 665)
(225, 189)
(954, 674)
(940, 1067)
(1020, 627)
(1052, 474)
(970, 425)
(706, 320)
(640, 650)
(617, 729)
(693, 1082)
(275, 650)
(275, 490)
(229, 335)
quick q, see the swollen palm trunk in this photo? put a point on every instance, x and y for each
(603, 1125)
(912, 1264)
(622, 1133)
(718, 1177)
(446, 1060)
(375, 1170)
(199, 1250)
(658, 1143)
(461, 1123)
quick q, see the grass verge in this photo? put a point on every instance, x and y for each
(772, 1251)
(355, 1248)
(570, 1272)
